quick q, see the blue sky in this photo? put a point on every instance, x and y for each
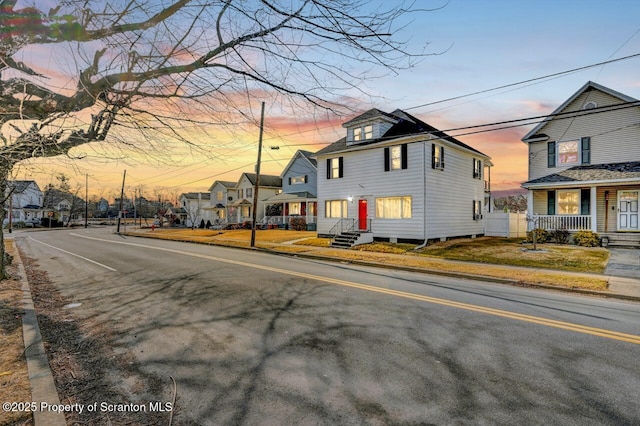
(480, 44)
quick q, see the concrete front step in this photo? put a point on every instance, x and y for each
(631, 240)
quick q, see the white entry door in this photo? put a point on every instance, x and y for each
(627, 210)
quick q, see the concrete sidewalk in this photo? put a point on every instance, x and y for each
(623, 271)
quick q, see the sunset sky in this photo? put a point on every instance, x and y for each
(478, 45)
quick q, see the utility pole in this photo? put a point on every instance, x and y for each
(86, 200)
(121, 200)
(255, 190)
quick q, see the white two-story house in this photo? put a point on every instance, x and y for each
(241, 210)
(396, 178)
(25, 201)
(584, 164)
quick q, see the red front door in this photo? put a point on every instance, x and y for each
(362, 215)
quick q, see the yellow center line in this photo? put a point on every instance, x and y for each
(609, 334)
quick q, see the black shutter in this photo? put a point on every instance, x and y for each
(328, 168)
(306, 179)
(433, 156)
(551, 202)
(442, 157)
(586, 150)
(386, 159)
(404, 156)
(585, 201)
(473, 209)
(551, 154)
(340, 167)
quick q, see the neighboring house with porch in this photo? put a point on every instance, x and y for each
(240, 210)
(299, 188)
(584, 165)
(394, 177)
(196, 204)
(25, 202)
(222, 193)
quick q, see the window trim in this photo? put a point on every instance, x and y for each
(477, 210)
(477, 168)
(437, 157)
(578, 202)
(363, 133)
(331, 168)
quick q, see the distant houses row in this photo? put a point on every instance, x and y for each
(394, 177)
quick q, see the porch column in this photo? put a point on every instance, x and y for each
(593, 209)
(529, 208)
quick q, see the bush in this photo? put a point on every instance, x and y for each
(541, 235)
(298, 223)
(586, 239)
(201, 224)
(560, 236)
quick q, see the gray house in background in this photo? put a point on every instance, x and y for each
(298, 198)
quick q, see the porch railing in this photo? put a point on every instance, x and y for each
(569, 223)
(343, 225)
(281, 220)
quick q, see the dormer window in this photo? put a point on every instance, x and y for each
(363, 133)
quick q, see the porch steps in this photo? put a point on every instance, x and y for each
(630, 240)
(347, 240)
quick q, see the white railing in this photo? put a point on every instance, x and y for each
(280, 220)
(569, 223)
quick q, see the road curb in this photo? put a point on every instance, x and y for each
(43, 388)
(504, 281)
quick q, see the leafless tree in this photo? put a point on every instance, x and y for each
(147, 74)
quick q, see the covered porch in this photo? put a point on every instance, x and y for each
(294, 207)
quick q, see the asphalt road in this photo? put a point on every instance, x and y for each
(254, 338)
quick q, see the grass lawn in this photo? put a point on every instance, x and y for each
(235, 236)
(504, 251)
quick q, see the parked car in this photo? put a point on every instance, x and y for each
(33, 223)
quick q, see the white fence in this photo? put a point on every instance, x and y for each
(511, 225)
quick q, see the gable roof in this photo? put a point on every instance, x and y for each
(405, 125)
(227, 184)
(591, 173)
(197, 195)
(368, 115)
(589, 85)
(265, 180)
(299, 154)
(19, 186)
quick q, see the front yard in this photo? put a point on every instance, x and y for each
(490, 256)
(505, 251)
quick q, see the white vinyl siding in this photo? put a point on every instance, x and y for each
(614, 137)
(449, 192)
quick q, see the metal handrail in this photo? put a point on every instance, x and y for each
(343, 225)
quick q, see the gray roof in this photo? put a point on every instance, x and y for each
(405, 125)
(368, 115)
(194, 195)
(227, 184)
(290, 196)
(19, 186)
(596, 172)
(265, 180)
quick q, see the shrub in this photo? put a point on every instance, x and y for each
(586, 239)
(298, 223)
(541, 235)
(560, 236)
(201, 224)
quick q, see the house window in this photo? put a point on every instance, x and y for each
(249, 192)
(294, 208)
(334, 168)
(335, 208)
(395, 157)
(568, 201)
(220, 195)
(568, 152)
(221, 214)
(295, 180)
(393, 207)
(477, 210)
(240, 193)
(246, 211)
(437, 157)
(363, 133)
(477, 169)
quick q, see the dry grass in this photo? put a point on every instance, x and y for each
(236, 235)
(502, 251)
(525, 276)
(314, 242)
(14, 379)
